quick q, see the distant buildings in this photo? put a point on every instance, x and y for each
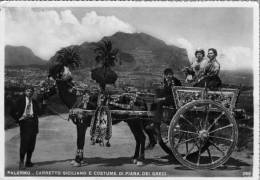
(24, 76)
(15, 77)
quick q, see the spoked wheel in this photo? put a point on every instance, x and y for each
(203, 134)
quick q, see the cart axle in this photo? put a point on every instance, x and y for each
(203, 134)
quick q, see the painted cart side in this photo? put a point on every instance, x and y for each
(203, 133)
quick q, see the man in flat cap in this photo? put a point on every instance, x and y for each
(25, 111)
(166, 95)
(164, 98)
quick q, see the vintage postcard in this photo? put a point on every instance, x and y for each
(130, 89)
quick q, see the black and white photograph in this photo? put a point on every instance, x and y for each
(130, 89)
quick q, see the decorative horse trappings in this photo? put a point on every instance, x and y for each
(101, 126)
(131, 110)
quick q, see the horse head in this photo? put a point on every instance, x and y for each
(64, 60)
(59, 70)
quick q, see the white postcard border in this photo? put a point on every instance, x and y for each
(177, 4)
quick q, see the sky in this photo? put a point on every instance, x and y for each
(46, 30)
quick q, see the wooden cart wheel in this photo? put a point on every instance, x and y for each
(203, 134)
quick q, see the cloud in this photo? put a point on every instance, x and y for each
(230, 58)
(47, 31)
(236, 57)
(182, 43)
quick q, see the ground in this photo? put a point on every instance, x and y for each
(56, 146)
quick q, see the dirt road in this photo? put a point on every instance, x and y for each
(56, 145)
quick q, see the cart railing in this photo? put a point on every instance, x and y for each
(224, 96)
(117, 112)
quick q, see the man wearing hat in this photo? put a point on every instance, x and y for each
(25, 111)
(165, 98)
(166, 95)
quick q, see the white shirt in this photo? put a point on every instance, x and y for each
(31, 109)
(199, 67)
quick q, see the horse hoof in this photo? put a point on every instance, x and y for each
(83, 163)
(140, 163)
(108, 144)
(76, 164)
(72, 162)
(134, 161)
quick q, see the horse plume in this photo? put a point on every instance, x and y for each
(106, 56)
(68, 56)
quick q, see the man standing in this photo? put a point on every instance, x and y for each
(25, 112)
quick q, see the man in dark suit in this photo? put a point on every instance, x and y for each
(165, 95)
(164, 98)
(25, 111)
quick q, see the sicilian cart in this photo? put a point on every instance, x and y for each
(202, 133)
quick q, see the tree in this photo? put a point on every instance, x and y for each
(106, 58)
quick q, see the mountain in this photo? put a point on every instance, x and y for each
(149, 53)
(138, 52)
(21, 56)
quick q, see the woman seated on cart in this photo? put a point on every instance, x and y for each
(195, 70)
(203, 72)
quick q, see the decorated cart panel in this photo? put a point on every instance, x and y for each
(224, 96)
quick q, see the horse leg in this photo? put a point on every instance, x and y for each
(152, 139)
(136, 127)
(137, 141)
(141, 135)
(151, 135)
(81, 132)
(160, 140)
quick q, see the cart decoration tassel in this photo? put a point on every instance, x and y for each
(101, 126)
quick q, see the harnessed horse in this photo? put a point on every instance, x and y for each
(82, 120)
